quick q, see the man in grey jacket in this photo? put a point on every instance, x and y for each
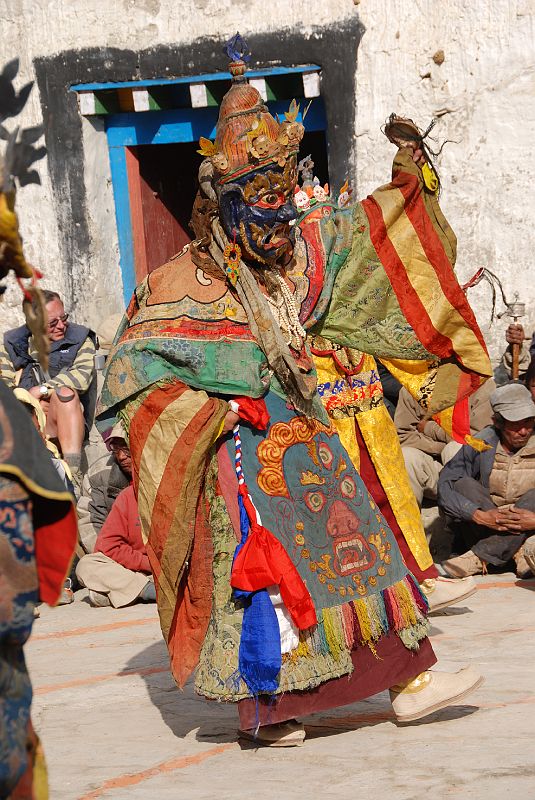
(426, 446)
(489, 496)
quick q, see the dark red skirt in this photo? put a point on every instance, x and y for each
(372, 674)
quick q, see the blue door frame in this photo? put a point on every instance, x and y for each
(167, 127)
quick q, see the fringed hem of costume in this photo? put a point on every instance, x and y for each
(370, 675)
(340, 631)
(400, 608)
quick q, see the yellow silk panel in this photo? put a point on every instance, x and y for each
(444, 316)
(381, 440)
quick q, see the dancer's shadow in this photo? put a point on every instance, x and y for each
(184, 713)
(189, 716)
(361, 715)
(444, 715)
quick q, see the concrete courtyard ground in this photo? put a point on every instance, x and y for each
(114, 726)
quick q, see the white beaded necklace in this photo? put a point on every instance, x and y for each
(284, 311)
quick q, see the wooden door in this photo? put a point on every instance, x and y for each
(162, 184)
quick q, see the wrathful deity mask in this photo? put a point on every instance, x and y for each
(254, 169)
(257, 212)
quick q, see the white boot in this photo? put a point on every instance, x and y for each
(431, 691)
(443, 592)
(284, 734)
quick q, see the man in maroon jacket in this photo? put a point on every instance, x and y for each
(118, 573)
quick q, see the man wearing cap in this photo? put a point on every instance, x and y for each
(102, 484)
(490, 495)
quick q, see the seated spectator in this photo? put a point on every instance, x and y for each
(37, 414)
(94, 447)
(489, 496)
(66, 392)
(426, 446)
(106, 478)
(118, 572)
(515, 335)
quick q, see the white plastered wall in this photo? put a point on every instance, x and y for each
(484, 96)
(484, 92)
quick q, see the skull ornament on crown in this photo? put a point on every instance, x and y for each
(311, 196)
(253, 169)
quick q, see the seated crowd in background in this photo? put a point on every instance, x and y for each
(426, 447)
(115, 568)
(111, 559)
(118, 572)
(102, 484)
(487, 497)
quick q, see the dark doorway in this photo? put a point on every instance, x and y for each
(314, 144)
(162, 182)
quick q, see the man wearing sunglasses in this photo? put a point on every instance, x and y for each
(67, 391)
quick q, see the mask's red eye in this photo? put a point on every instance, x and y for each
(271, 200)
(348, 487)
(325, 454)
(315, 501)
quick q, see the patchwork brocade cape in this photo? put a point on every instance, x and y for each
(377, 278)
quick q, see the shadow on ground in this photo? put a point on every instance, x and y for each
(188, 715)
(184, 713)
(449, 611)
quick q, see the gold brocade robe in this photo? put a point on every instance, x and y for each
(358, 400)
